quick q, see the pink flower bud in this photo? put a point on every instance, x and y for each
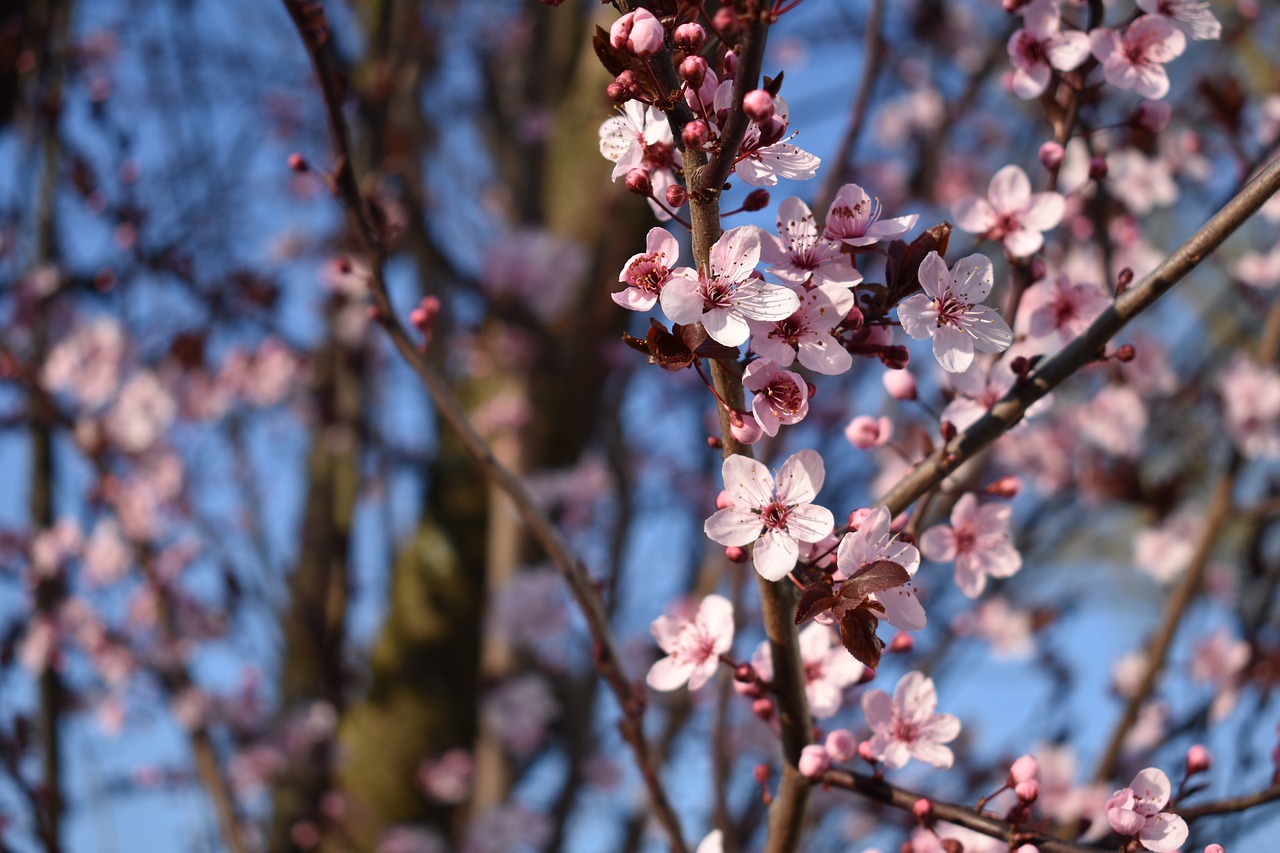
(763, 708)
(744, 427)
(1027, 848)
(298, 163)
(1153, 116)
(922, 808)
(1198, 759)
(690, 36)
(725, 21)
(751, 689)
(1125, 353)
(676, 196)
(1027, 790)
(865, 753)
(736, 553)
(865, 432)
(617, 93)
(1037, 269)
(695, 134)
(814, 761)
(1023, 769)
(1052, 155)
(841, 745)
(857, 517)
(730, 57)
(1215, 848)
(900, 384)
(902, 642)
(1097, 167)
(638, 32)
(758, 105)
(757, 199)
(895, 357)
(693, 70)
(853, 319)
(639, 183)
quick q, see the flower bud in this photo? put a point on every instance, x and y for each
(730, 57)
(1153, 116)
(1124, 280)
(725, 21)
(1007, 486)
(638, 32)
(745, 673)
(841, 745)
(676, 196)
(695, 134)
(1027, 790)
(617, 93)
(1125, 353)
(758, 105)
(1198, 759)
(638, 182)
(724, 500)
(736, 553)
(1215, 848)
(895, 357)
(298, 163)
(1036, 269)
(951, 845)
(853, 319)
(744, 427)
(922, 808)
(865, 753)
(693, 70)
(900, 384)
(1023, 769)
(713, 441)
(1097, 167)
(865, 432)
(763, 708)
(947, 431)
(690, 36)
(814, 761)
(1051, 155)
(757, 199)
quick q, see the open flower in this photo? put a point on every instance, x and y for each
(948, 312)
(978, 541)
(807, 332)
(1041, 46)
(854, 219)
(828, 669)
(800, 255)
(776, 516)
(1136, 810)
(873, 543)
(647, 273)
(781, 397)
(725, 296)
(1011, 213)
(693, 646)
(1136, 59)
(905, 727)
(1193, 16)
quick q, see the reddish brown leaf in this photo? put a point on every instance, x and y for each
(858, 632)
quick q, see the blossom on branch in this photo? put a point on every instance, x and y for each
(1041, 46)
(978, 541)
(693, 646)
(1011, 213)
(948, 311)
(1136, 810)
(801, 255)
(776, 516)
(781, 397)
(1135, 60)
(906, 727)
(647, 272)
(853, 218)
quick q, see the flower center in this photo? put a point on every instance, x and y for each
(950, 310)
(784, 397)
(774, 515)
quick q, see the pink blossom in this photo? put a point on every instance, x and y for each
(1063, 309)
(1114, 421)
(1040, 46)
(647, 273)
(807, 332)
(447, 779)
(781, 397)
(814, 761)
(1192, 16)
(865, 432)
(853, 218)
(713, 843)
(828, 668)
(1007, 630)
(638, 32)
(978, 541)
(1218, 660)
(534, 268)
(948, 311)
(776, 516)
(871, 543)
(106, 555)
(693, 646)
(1143, 183)
(1011, 213)
(800, 255)
(1251, 397)
(1258, 270)
(1136, 810)
(906, 726)
(763, 157)
(640, 138)
(723, 298)
(841, 745)
(141, 414)
(1135, 60)
(1164, 552)
(87, 363)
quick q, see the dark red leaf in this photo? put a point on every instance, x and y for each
(858, 632)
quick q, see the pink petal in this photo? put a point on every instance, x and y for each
(972, 278)
(1152, 786)
(1044, 211)
(953, 349)
(915, 698)
(887, 229)
(1027, 83)
(821, 353)
(877, 708)
(634, 299)
(1022, 242)
(775, 555)
(725, 326)
(902, 609)
(761, 301)
(1164, 833)
(969, 580)
(733, 527)
(989, 330)
(934, 276)
(715, 615)
(736, 254)
(682, 300)
(931, 753)
(974, 214)
(1068, 50)
(939, 544)
(666, 674)
(796, 225)
(1009, 190)
(810, 523)
(749, 482)
(800, 478)
(917, 316)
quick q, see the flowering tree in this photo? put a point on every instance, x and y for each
(382, 507)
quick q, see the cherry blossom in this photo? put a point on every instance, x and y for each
(1259, 270)
(1251, 397)
(776, 516)
(1193, 16)
(853, 218)
(807, 332)
(869, 544)
(1061, 309)
(640, 138)
(141, 413)
(1136, 810)
(763, 157)
(1007, 630)
(519, 710)
(646, 273)
(87, 362)
(1040, 46)
(978, 541)
(726, 296)
(637, 32)
(905, 726)
(865, 432)
(1114, 421)
(801, 255)
(1135, 60)
(1011, 213)
(781, 397)
(1218, 660)
(693, 646)
(948, 311)
(828, 668)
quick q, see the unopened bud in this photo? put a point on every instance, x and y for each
(714, 442)
(730, 65)
(922, 808)
(744, 427)
(298, 163)
(735, 553)
(1023, 769)
(865, 753)
(811, 389)
(693, 70)
(1020, 365)
(894, 358)
(1027, 790)
(763, 708)
(1097, 167)
(814, 761)
(676, 196)
(900, 384)
(1036, 269)
(854, 319)
(758, 105)
(948, 431)
(724, 500)
(841, 745)
(725, 21)
(639, 183)
(1125, 353)
(756, 200)
(690, 36)
(902, 642)
(745, 672)
(1198, 759)
(696, 134)
(951, 845)
(761, 774)
(1007, 486)
(617, 93)
(1051, 156)
(1124, 280)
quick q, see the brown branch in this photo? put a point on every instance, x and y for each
(984, 822)
(1231, 805)
(1084, 349)
(315, 37)
(750, 61)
